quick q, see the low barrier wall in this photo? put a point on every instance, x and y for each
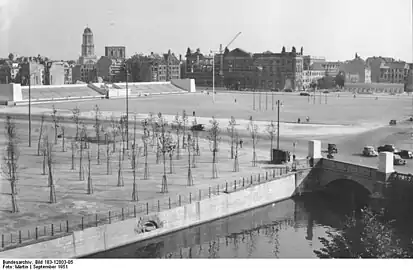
(109, 236)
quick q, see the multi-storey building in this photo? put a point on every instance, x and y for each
(85, 73)
(199, 66)
(33, 71)
(154, 67)
(68, 73)
(374, 63)
(117, 52)
(312, 74)
(238, 69)
(331, 68)
(309, 60)
(279, 70)
(55, 73)
(356, 71)
(394, 72)
(110, 69)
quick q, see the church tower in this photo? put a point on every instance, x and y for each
(88, 48)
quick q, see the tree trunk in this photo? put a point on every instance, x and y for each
(98, 146)
(178, 151)
(170, 163)
(146, 170)
(81, 163)
(14, 206)
(44, 163)
(214, 165)
(63, 140)
(73, 156)
(40, 138)
(120, 176)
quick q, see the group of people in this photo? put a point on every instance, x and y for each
(307, 119)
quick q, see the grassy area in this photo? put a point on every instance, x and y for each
(343, 110)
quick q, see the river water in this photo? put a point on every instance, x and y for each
(287, 229)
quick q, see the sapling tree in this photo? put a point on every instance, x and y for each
(236, 146)
(178, 128)
(55, 119)
(191, 142)
(122, 129)
(214, 140)
(39, 142)
(89, 174)
(146, 139)
(50, 162)
(271, 130)
(108, 153)
(76, 120)
(195, 136)
(82, 147)
(120, 174)
(98, 127)
(163, 143)
(74, 148)
(114, 130)
(136, 151)
(170, 148)
(152, 121)
(45, 143)
(253, 129)
(231, 129)
(184, 123)
(10, 161)
(62, 130)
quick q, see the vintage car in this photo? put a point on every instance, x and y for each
(369, 151)
(397, 160)
(387, 148)
(392, 122)
(305, 94)
(406, 154)
(198, 127)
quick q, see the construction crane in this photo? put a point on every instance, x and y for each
(221, 52)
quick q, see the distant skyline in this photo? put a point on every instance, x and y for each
(331, 28)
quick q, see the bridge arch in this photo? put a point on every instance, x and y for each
(349, 184)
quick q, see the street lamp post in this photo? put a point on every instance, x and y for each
(127, 109)
(30, 112)
(278, 124)
(213, 77)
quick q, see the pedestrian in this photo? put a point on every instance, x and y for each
(299, 120)
(193, 113)
(307, 119)
(240, 143)
(235, 100)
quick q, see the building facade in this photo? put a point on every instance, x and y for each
(356, 71)
(110, 69)
(279, 71)
(331, 68)
(117, 52)
(394, 72)
(84, 73)
(313, 74)
(309, 60)
(374, 63)
(68, 73)
(238, 69)
(55, 73)
(33, 71)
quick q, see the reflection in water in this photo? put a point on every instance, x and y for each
(288, 229)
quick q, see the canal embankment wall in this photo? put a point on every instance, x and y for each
(110, 236)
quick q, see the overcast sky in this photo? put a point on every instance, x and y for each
(331, 28)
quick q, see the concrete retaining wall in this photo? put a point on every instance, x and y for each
(10, 93)
(106, 237)
(185, 84)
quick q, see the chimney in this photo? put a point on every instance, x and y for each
(180, 57)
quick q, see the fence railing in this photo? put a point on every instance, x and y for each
(55, 230)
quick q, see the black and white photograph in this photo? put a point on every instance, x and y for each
(194, 129)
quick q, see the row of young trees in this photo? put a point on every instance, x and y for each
(164, 138)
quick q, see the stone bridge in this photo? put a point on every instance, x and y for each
(323, 172)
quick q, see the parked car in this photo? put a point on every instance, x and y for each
(392, 122)
(305, 94)
(405, 154)
(198, 127)
(369, 151)
(397, 160)
(326, 92)
(288, 90)
(387, 148)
